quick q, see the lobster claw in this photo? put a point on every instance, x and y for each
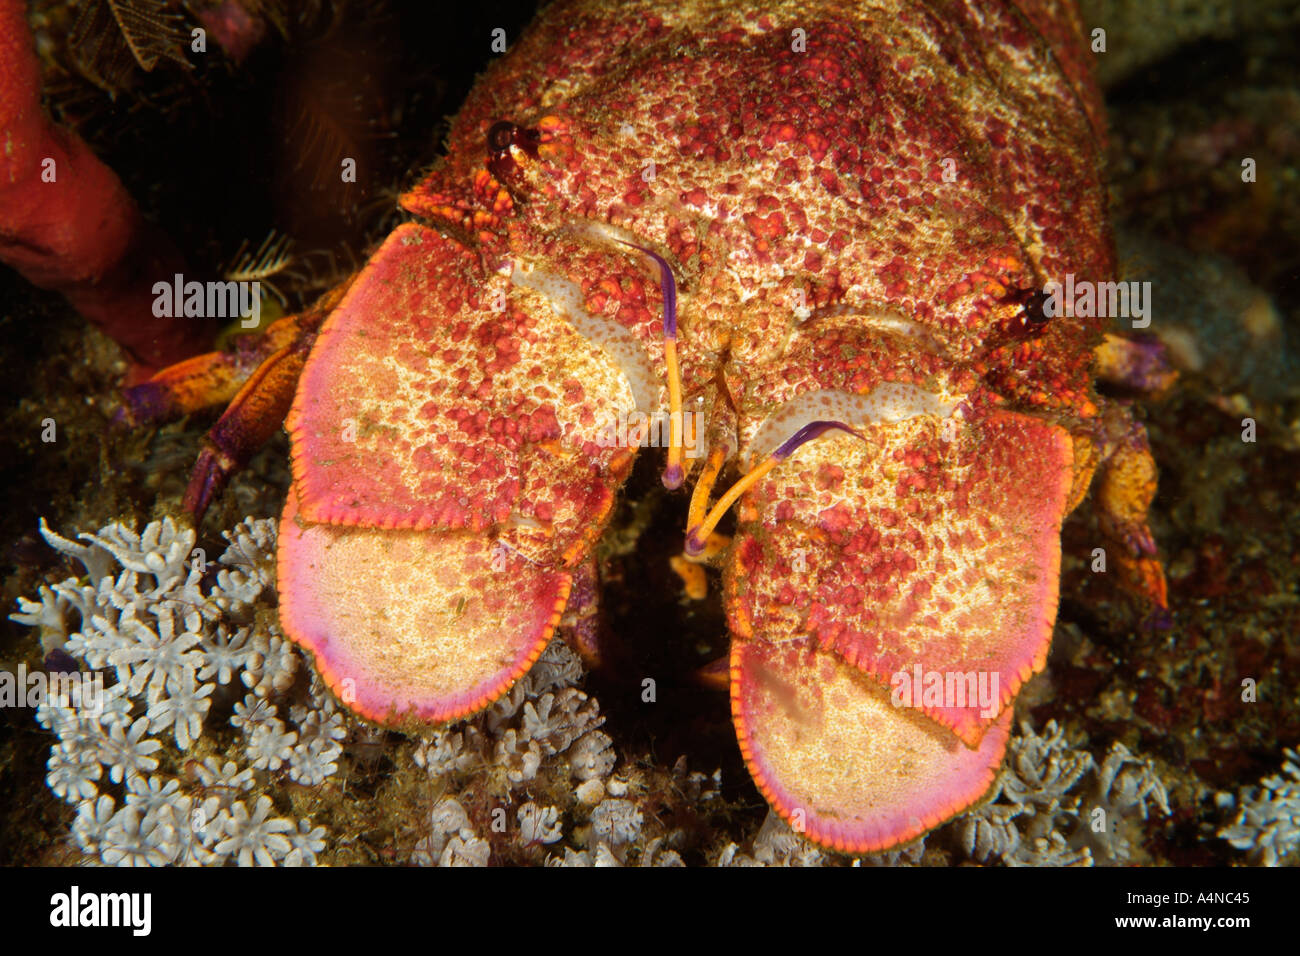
(888, 595)
(448, 478)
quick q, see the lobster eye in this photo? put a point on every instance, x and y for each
(1030, 319)
(1035, 309)
(500, 136)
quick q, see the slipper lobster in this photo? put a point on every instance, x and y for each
(813, 237)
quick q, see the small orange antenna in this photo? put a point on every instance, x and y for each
(697, 533)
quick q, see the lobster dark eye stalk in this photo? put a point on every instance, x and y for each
(1035, 308)
(501, 138)
(1028, 321)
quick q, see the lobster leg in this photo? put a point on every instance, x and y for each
(1125, 486)
(214, 379)
(582, 616)
(254, 415)
(210, 380)
(1134, 362)
(254, 380)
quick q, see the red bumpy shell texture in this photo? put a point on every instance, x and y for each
(851, 196)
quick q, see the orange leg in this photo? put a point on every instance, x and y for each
(254, 415)
(1123, 490)
(255, 378)
(216, 378)
(209, 380)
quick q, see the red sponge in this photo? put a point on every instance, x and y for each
(68, 224)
